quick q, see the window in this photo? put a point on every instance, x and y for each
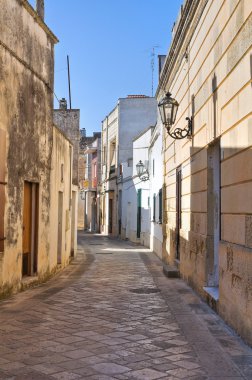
(104, 155)
(154, 208)
(160, 204)
(113, 153)
(130, 162)
(62, 172)
(120, 169)
(95, 170)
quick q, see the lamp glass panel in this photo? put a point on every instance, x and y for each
(174, 114)
(168, 113)
(140, 168)
(162, 113)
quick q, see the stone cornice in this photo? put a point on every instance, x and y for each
(185, 29)
(41, 23)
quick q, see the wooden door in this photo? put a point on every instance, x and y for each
(60, 217)
(73, 223)
(27, 228)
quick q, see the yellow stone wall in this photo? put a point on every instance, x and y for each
(62, 158)
(211, 80)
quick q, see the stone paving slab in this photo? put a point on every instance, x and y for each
(116, 316)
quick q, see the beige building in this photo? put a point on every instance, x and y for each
(208, 177)
(64, 196)
(35, 164)
(89, 182)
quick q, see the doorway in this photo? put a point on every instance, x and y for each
(213, 213)
(128, 221)
(30, 229)
(139, 212)
(60, 233)
(73, 223)
(178, 209)
(94, 214)
(110, 216)
(120, 212)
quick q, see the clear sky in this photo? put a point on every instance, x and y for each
(109, 43)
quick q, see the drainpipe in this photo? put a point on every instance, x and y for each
(40, 8)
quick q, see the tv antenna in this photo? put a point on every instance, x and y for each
(69, 82)
(153, 58)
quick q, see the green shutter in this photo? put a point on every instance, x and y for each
(139, 209)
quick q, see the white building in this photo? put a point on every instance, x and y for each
(140, 213)
(131, 116)
(142, 202)
(156, 190)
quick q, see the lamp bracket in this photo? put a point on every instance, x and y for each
(178, 133)
(144, 177)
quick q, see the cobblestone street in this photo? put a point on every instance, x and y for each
(112, 314)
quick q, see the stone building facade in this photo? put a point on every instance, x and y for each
(89, 182)
(131, 116)
(208, 178)
(68, 120)
(27, 146)
(64, 198)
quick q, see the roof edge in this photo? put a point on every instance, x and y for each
(38, 19)
(62, 133)
(143, 132)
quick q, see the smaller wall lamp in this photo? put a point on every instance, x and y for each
(168, 108)
(82, 195)
(142, 171)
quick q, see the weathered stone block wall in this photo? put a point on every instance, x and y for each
(26, 99)
(212, 83)
(236, 287)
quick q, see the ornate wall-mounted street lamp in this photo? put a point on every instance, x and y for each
(168, 108)
(142, 171)
(82, 195)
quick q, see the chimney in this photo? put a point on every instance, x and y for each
(83, 132)
(63, 104)
(40, 8)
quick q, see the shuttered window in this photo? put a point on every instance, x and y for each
(160, 204)
(2, 186)
(154, 208)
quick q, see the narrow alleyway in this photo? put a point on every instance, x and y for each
(112, 314)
